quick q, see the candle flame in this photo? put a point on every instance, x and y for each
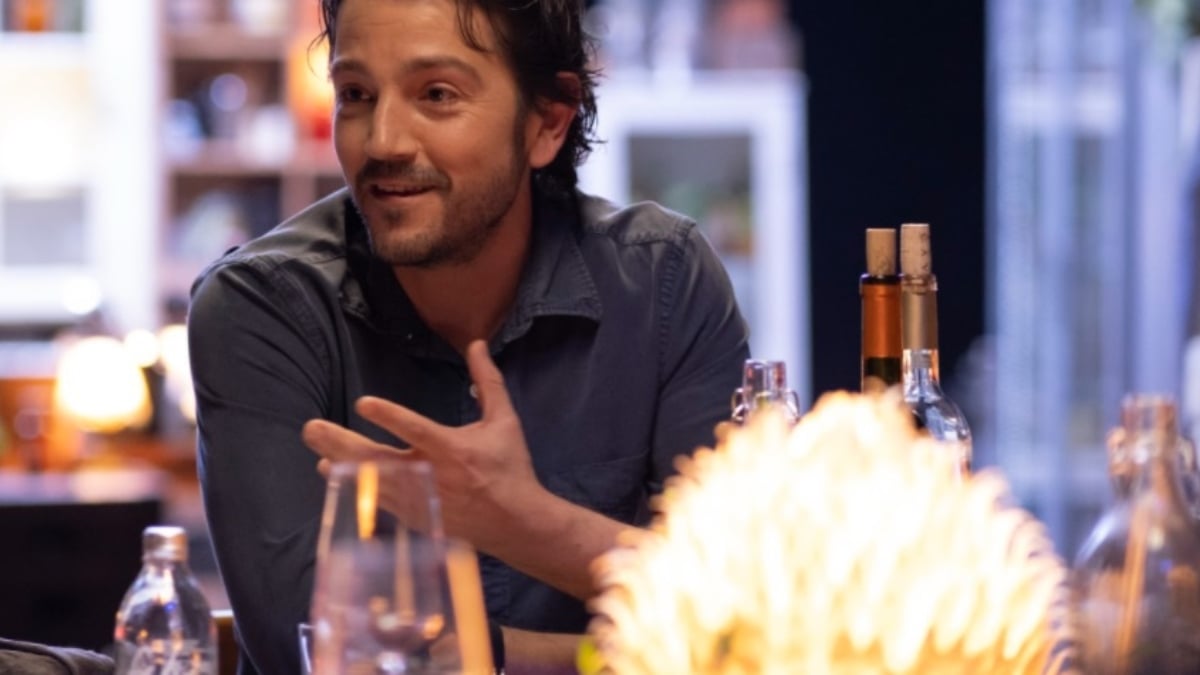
(368, 500)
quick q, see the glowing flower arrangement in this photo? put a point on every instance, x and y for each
(843, 545)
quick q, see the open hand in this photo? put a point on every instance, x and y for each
(484, 474)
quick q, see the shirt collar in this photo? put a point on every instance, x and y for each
(555, 281)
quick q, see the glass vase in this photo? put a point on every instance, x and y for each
(1136, 579)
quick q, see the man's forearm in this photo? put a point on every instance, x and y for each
(530, 653)
(555, 541)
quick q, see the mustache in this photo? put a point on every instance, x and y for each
(401, 171)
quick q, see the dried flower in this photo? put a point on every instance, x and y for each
(845, 544)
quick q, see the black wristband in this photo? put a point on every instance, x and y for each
(497, 639)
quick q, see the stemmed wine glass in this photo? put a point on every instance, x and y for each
(383, 602)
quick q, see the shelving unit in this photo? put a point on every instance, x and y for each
(238, 157)
(76, 165)
(32, 268)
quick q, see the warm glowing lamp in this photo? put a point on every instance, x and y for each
(177, 370)
(100, 388)
(310, 95)
(142, 346)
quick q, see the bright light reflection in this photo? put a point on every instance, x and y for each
(177, 369)
(100, 388)
(81, 295)
(142, 346)
(368, 499)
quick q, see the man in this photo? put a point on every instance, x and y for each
(548, 353)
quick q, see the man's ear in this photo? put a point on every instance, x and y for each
(548, 123)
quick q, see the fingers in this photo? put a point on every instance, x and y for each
(420, 431)
(335, 443)
(489, 382)
(415, 429)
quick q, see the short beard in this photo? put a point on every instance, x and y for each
(468, 223)
(447, 247)
(425, 251)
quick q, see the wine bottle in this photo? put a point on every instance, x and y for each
(921, 377)
(879, 290)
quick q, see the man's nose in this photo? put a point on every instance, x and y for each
(391, 136)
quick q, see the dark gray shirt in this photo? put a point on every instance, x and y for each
(620, 353)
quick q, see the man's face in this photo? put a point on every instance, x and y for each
(430, 133)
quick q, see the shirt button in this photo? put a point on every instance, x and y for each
(473, 391)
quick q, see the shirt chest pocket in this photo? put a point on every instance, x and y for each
(615, 487)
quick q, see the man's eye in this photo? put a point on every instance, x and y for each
(440, 95)
(351, 95)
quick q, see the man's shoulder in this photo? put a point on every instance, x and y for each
(637, 224)
(315, 234)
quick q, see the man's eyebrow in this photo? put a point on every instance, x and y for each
(354, 66)
(339, 66)
(442, 62)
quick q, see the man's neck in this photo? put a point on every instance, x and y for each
(470, 301)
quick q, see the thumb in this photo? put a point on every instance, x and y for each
(489, 382)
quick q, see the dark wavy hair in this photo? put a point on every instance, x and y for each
(539, 39)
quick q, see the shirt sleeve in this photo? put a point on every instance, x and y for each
(259, 373)
(703, 343)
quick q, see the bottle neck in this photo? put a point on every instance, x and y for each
(748, 404)
(1144, 451)
(880, 315)
(881, 342)
(918, 309)
(1154, 473)
(163, 564)
(766, 399)
(921, 370)
(764, 385)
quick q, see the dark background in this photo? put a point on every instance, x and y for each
(896, 128)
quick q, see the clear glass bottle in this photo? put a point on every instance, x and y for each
(933, 410)
(1136, 579)
(764, 385)
(164, 624)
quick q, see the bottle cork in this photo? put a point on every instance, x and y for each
(881, 251)
(915, 257)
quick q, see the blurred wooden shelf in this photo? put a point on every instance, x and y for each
(231, 158)
(43, 50)
(254, 179)
(224, 42)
